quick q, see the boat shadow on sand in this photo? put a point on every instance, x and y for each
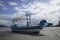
(31, 34)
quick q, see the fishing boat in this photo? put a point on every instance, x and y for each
(28, 28)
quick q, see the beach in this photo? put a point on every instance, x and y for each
(48, 33)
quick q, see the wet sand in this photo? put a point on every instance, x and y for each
(48, 33)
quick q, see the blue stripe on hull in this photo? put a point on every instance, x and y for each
(26, 28)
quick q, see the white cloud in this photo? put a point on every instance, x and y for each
(49, 11)
(44, 10)
(5, 19)
(3, 6)
(4, 16)
(13, 3)
(1, 1)
(5, 22)
(18, 14)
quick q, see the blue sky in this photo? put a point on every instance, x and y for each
(7, 6)
(44, 9)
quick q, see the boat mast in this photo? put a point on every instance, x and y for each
(28, 16)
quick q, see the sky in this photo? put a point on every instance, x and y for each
(42, 9)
